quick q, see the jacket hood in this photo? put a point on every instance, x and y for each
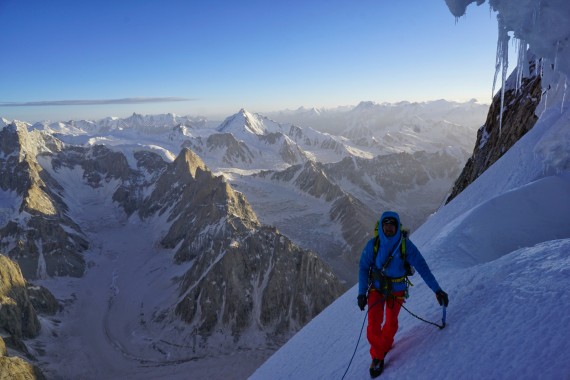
(387, 244)
(389, 214)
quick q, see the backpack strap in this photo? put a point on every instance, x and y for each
(409, 269)
(404, 232)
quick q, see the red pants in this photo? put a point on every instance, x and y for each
(381, 337)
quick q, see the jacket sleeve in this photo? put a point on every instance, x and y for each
(366, 258)
(415, 258)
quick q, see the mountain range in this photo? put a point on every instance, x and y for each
(124, 207)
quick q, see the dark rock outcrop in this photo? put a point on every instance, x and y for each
(16, 368)
(244, 276)
(19, 320)
(17, 314)
(494, 139)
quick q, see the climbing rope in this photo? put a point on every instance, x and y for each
(405, 308)
(360, 336)
(423, 320)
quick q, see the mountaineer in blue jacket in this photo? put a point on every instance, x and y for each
(383, 284)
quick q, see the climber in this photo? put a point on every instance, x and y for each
(383, 284)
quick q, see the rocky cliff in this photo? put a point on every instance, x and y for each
(18, 320)
(245, 276)
(497, 136)
(37, 232)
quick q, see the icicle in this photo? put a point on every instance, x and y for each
(498, 56)
(521, 63)
(544, 98)
(502, 61)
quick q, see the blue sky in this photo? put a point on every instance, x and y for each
(215, 57)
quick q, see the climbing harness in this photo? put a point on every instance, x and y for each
(377, 274)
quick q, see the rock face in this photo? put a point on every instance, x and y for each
(493, 140)
(18, 319)
(264, 281)
(235, 151)
(39, 235)
(17, 314)
(245, 277)
(15, 368)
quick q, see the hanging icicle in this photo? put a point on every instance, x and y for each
(502, 63)
(521, 46)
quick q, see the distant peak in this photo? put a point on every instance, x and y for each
(365, 105)
(188, 160)
(243, 121)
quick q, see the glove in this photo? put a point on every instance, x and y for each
(362, 300)
(442, 297)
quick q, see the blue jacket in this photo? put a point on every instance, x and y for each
(396, 267)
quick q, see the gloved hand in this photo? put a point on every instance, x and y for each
(442, 297)
(362, 300)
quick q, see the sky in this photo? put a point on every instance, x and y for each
(87, 60)
(500, 249)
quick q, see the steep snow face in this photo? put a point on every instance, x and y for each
(504, 322)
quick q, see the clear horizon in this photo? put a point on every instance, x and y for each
(88, 61)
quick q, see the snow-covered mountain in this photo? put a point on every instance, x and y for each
(157, 243)
(499, 248)
(246, 143)
(395, 127)
(412, 179)
(252, 141)
(35, 228)
(229, 282)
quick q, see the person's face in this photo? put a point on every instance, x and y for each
(389, 229)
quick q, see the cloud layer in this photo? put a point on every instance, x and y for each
(94, 102)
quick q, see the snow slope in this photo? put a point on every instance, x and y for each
(504, 322)
(501, 251)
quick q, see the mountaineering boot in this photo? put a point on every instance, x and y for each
(376, 367)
